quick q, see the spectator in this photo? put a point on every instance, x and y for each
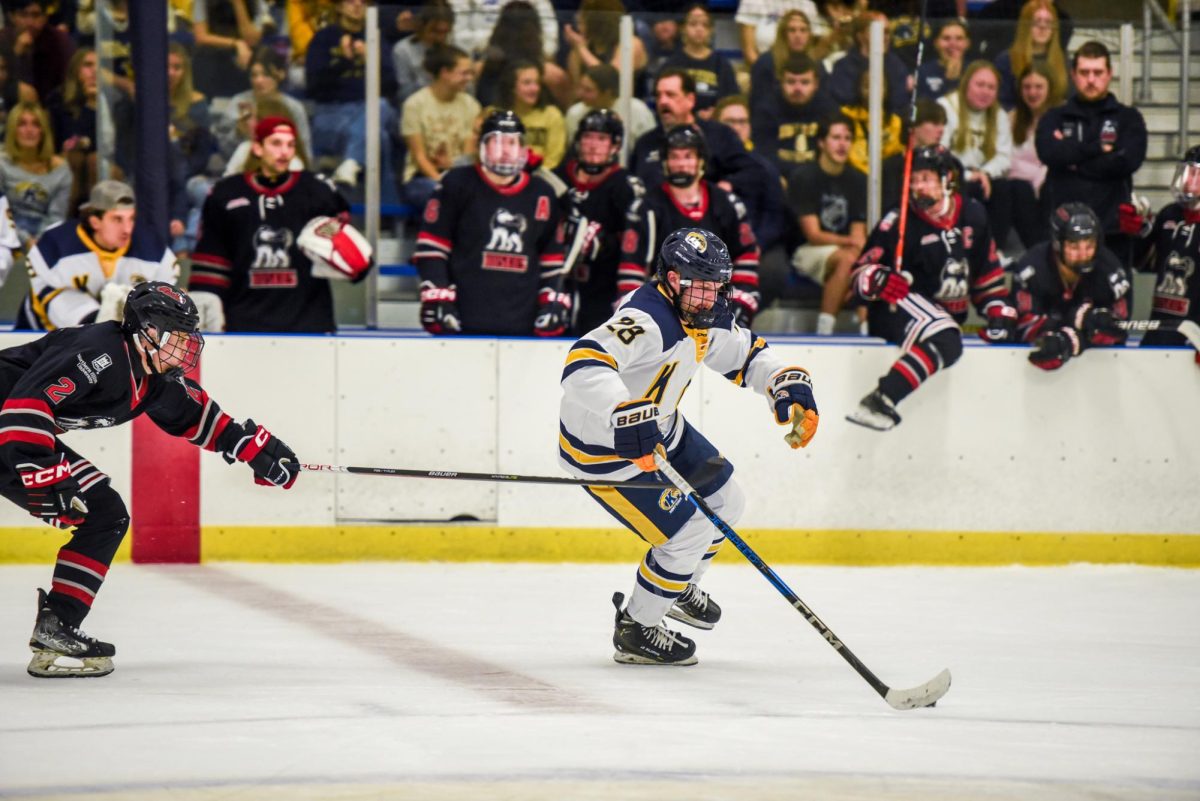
(763, 25)
(847, 72)
(435, 21)
(476, 22)
(929, 125)
(978, 134)
(794, 35)
(36, 182)
(519, 35)
(686, 199)
(488, 252)
(226, 31)
(191, 140)
(837, 18)
(1028, 173)
(598, 89)
(10, 90)
(997, 18)
(73, 118)
(1092, 145)
(598, 39)
(268, 72)
(661, 43)
(240, 159)
(939, 76)
(728, 165)
(1036, 42)
(1068, 294)
(37, 52)
(828, 196)
(893, 146)
(712, 73)
(437, 122)
(545, 132)
(304, 19)
(783, 129)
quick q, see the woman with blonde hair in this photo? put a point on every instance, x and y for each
(1037, 41)
(36, 182)
(72, 112)
(596, 41)
(793, 34)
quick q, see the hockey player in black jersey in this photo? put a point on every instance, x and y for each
(608, 203)
(97, 376)
(269, 240)
(1068, 293)
(686, 199)
(490, 248)
(1169, 244)
(949, 259)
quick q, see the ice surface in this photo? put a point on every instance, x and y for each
(474, 681)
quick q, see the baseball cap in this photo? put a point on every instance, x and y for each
(271, 125)
(109, 195)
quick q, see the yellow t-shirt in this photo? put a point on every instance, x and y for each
(445, 127)
(546, 134)
(893, 136)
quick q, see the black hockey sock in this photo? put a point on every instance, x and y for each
(909, 372)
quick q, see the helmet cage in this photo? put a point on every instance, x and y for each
(696, 255)
(1185, 185)
(164, 321)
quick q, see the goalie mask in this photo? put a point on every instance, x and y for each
(683, 137)
(702, 262)
(1075, 224)
(1185, 186)
(162, 321)
(938, 160)
(502, 143)
(590, 157)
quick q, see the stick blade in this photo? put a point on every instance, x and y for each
(926, 694)
(1190, 331)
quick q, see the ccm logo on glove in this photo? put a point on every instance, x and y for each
(46, 476)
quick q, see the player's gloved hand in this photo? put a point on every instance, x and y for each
(791, 397)
(1001, 324)
(586, 232)
(554, 313)
(1134, 217)
(273, 462)
(112, 302)
(636, 433)
(1099, 326)
(1053, 349)
(51, 492)
(439, 312)
(880, 282)
(744, 305)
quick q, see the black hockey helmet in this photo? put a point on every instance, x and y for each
(605, 121)
(503, 124)
(1075, 222)
(696, 255)
(938, 159)
(677, 138)
(1185, 186)
(163, 320)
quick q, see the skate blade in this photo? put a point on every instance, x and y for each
(870, 423)
(622, 658)
(684, 617)
(45, 665)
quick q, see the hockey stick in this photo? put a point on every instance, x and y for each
(926, 694)
(906, 181)
(1188, 328)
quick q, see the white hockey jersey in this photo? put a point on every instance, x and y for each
(67, 270)
(8, 239)
(643, 351)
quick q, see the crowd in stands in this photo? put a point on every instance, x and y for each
(783, 121)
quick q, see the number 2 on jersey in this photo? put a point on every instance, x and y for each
(59, 390)
(626, 329)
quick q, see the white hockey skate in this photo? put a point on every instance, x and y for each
(63, 652)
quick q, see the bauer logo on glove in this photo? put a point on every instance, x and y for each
(336, 249)
(790, 390)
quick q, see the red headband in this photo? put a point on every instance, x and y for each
(273, 125)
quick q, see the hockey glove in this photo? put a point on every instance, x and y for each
(744, 306)
(51, 492)
(1099, 326)
(273, 462)
(1001, 324)
(439, 314)
(636, 433)
(336, 250)
(879, 282)
(1052, 350)
(791, 397)
(112, 302)
(1134, 218)
(554, 313)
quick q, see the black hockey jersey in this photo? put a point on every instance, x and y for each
(1044, 303)
(719, 212)
(88, 377)
(952, 261)
(499, 245)
(247, 253)
(614, 199)
(1173, 251)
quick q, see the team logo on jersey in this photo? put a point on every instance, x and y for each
(72, 423)
(670, 499)
(172, 293)
(88, 372)
(101, 361)
(1171, 293)
(697, 240)
(953, 290)
(272, 266)
(1108, 133)
(505, 249)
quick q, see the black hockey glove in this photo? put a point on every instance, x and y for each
(1001, 324)
(744, 306)
(273, 462)
(1099, 326)
(1052, 350)
(51, 492)
(439, 312)
(636, 433)
(554, 313)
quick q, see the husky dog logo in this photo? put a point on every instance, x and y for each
(271, 248)
(954, 279)
(697, 240)
(507, 228)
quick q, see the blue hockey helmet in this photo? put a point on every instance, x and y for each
(696, 254)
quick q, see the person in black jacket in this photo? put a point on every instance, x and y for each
(1092, 145)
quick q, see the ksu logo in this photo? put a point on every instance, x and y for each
(670, 499)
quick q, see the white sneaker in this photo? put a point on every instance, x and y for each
(875, 411)
(825, 323)
(347, 173)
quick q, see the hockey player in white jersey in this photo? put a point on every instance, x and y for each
(622, 384)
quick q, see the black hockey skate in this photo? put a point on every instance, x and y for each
(648, 645)
(52, 640)
(875, 411)
(695, 608)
